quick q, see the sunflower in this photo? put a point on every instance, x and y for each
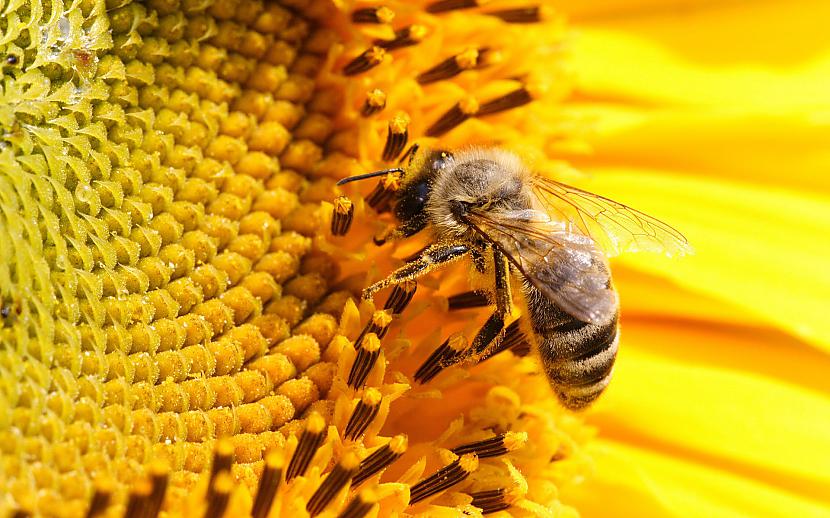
(182, 331)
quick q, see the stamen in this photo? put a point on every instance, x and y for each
(360, 506)
(307, 446)
(380, 459)
(450, 67)
(410, 154)
(405, 37)
(159, 476)
(450, 5)
(379, 324)
(375, 102)
(364, 413)
(367, 355)
(342, 217)
(444, 478)
(494, 446)
(513, 339)
(219, 495)
(101, 498)
(268, 484)
(222, 460)
(369, 59)
(468, 299)
(337, 480)
(400, 297)
(513, 99)
(448, 353)
(373, 15)
(396, 138)
(519, 15)
(138, 499)
(384, 192)
(453, 117)
(494, 500)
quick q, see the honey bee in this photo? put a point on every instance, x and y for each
(552, 241)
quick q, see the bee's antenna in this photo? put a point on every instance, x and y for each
(369, 175)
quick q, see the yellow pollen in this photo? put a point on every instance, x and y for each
(392, 181)
(417, 32)
(468, 462)
(343, 204)
(372, 396)
(376, 55)
(385, 15)
(399, 444)
(469, 106)
(399, 123)
(315, 423)
(371, 342)
(467, 59)
(376, 98)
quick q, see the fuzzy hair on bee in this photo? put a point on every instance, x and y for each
(525, 233)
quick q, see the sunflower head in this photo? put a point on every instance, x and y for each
(182, 330)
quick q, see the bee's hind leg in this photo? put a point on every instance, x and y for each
(494, 325)
(446, 355)
(429, 259)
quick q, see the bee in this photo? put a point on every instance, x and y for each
(549, 240)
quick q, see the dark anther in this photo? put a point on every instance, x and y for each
(453, 66)
(518, 15)
(511, 100)
(360, 506)
(367, 354)
(337, 479)
(373, 15)
(159, 477)
(375, 102)
(222, 460)
(307, 446)
(396, 137)
(492, 501)
(450, 5)
(381, 197)
(448, 353)
(513, 339)
(468, 299)
(405, 37)
(380, 459)
(378, 324)
(369, 59)
(400, 297)
(219, 495)
(444, 478)
(100, 499)
(268, 484)
(364, 413)
(494, 446)
(341, 219)
(452, 118)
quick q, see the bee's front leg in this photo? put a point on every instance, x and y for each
(429, 259)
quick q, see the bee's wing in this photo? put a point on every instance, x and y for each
(566, 267)
(615, 227)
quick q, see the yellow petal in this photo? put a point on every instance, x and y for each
(731, 55)
(764, 250)
(786, 150)
(634, 482)
(733, 399)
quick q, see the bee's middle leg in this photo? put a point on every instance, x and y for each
(429, 259)
(494, 325)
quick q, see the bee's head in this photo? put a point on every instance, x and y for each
(412, 198)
